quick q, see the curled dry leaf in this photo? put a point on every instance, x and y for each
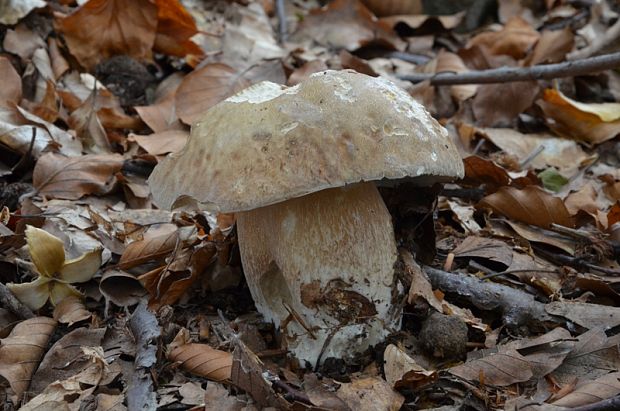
(604, 387)
(499, 104)
(155, 245)
(485, 248)
(531, 205)
(74, 177)
(202, 360)
(122, 288)
(14, 10)
(370, 393)
(71, 310)
(22, 350)
(451, 62)
(113, 27)
(592, 123)
(402, 371)
(205, 87)
(480, 171)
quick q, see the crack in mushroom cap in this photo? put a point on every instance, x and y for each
(270, 143)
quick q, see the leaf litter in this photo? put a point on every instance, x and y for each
(155, 311)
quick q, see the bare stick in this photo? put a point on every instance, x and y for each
(281, 12)
(509, 74)
(11, 303)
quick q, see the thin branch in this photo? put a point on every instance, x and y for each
(509, 74)
(281, 12)
(11, 303)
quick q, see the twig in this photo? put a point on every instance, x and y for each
(537, 151)
(8, 300)
(509, 74)
(518, 308)
(281, 12)
(610, 404)
(28, 153)
(408, 57)
(611, 36)
(291, 394)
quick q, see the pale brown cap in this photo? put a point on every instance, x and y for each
(271, 143)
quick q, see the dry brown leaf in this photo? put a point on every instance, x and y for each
(71, 310)
(498, 368)
(552, 47)
(394, 7)
(531, 205)
(22, 41)
(175, 27)
(370, 393)
(450, 62)
(420, 285)
(350, 61)
(156, 244)
(499, 104)
(74, 177)
(515, 39)
(202, 360)
(485, 248)
(613, 216)
(122, 288)
(417, 21)
(11, 89)
(302, 73)
(402, 371)
(22, 350)
(100, 29)
(565, 155)
(592, 123)
(161, 115)
(602, 388)
(202, 89)
(346, 24)
(14, 10)
(479, 171)
(162, 143)
(587, 315)
(167, 284)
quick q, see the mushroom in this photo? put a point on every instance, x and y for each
(298, 165)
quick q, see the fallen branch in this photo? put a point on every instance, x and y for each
(510, 74)
(281, 13)
(11, 303)
(518, 308)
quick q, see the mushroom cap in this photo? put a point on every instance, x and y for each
(271, 143)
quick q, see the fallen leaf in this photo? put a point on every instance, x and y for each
(74, 177)
(175, 28)
(66, 351)
(12, 11)
(499, 104)
(483, 172)
(370, 393)
(12, 89)
(592, 123)
(420, 285)
(402, 371)
(202, 360)
(587, 315)
(604, 387)
(484, 248)
(552, 47)
(164, 142)
(115, 27)
(71, 310)
(156, 244)
(531, 205)
(565, 155)
(22, 350)
(302, 73)
(203, 88)
(346, 24)
(514, 39)
(122, 288)
(394, 7)
(501, 368)
(452, 63)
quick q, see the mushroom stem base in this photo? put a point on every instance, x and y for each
(321, 267)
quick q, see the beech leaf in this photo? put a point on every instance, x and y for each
(202, 360)
(531, 205)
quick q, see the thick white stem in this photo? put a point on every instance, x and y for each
(327, 258)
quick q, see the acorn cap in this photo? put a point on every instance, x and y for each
(271, 143)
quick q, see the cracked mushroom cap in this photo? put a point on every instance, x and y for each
(271, 143)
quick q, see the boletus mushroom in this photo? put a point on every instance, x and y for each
(298, 165)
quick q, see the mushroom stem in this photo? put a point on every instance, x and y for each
(321, 267)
